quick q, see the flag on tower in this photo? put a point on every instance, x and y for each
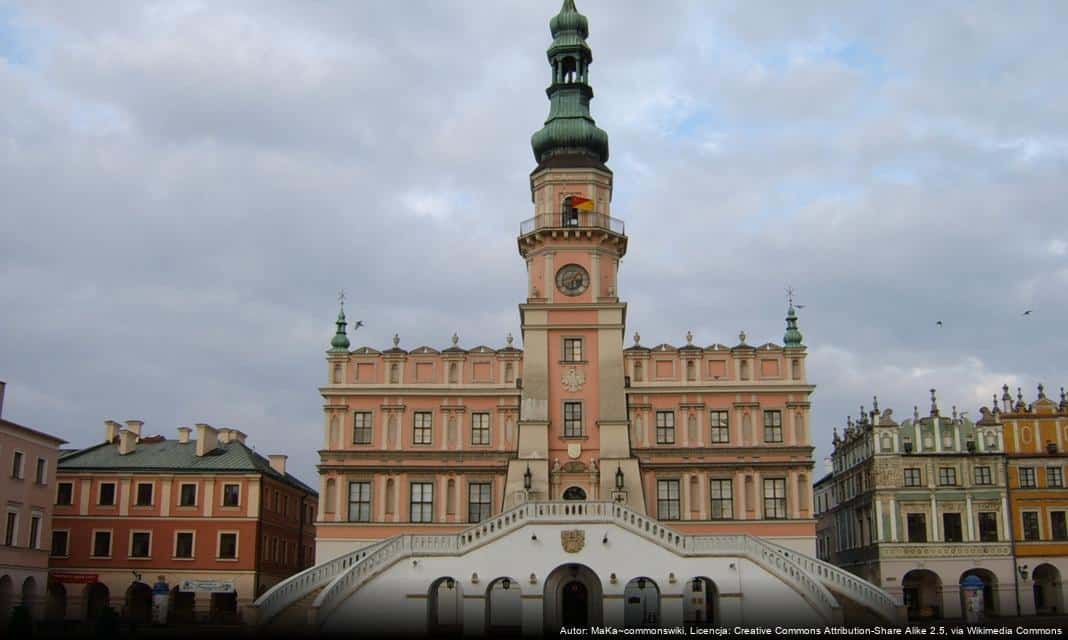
(582, 204)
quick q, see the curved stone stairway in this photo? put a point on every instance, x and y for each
(310, 596)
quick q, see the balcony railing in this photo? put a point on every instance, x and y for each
(572, 220)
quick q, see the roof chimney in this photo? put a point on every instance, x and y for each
(237, 434)
(2, 385)
(207, 439)
(183, 435)
(111, 429)
(135, 426)
(127, 441)
(224, 435)
(278, 462)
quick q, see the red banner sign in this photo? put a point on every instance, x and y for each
(73, 578)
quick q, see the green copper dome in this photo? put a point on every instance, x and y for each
(570, 129)
(793, 336)
(340, 342)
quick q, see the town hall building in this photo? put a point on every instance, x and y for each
(584, 478)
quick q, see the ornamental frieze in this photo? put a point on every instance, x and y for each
(942, 550)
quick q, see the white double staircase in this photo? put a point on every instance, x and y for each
(341, 577)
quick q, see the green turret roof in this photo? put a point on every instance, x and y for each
(570, 129)
(793, 336)
(340, 341)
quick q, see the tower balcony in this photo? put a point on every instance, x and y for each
(572, 221)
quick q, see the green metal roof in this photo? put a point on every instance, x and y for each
(171, 455)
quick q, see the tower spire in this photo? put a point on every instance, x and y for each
(570, 130)
(340, 341)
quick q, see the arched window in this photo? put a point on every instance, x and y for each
(700, 603)
(574, 493)
(445, 604)
(504, 609)
(569, 214)
(641, 604)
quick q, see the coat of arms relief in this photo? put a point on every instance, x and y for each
(573, 379)
(573, 541)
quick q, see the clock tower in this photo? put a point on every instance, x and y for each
(573, 426)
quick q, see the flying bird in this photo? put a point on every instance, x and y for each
(800, 306)
(357, 324)
(1027, 313)
(939, 323)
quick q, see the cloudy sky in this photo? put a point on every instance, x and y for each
(184, 186)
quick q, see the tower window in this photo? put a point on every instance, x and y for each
(423, 428)
(665, 427)
(572, 349)
(573, 420)
(667, 500)
(569, 215)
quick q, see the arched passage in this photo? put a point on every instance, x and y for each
(700, 603)
(504, 608)
(574, 493)
(56, 603)
(29, 595)
(922, 591)
(445, 614)
(97, 598)
(572, 597)
(138, 609)
(990, 590)
(7, 599)
(1047, 589)
(641, 604)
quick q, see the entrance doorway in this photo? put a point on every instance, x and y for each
(574, 493)
(572, 598)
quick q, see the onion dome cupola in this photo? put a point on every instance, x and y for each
(340, 341)
(570, 130)
(793, 337)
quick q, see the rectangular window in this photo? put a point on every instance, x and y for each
(573, 349)
(228, 546)
(139, 542)
(361, 427)
(422, 502)
(231, 495)
(917, 527)
(982, 475)
(423, 428)
(360, 501)
(573, 420)
(773, 426)
(1027, 477)
(951, 528)
(775, 498)
(722, 492)
(478, 501)
(665, 427)
(667, 500)
(1030, 525)
(144, 494)
(1054, 477)
(16, 465)
(39, 474)
(183, 544)
(480, 428)
(988, 526)
(60, 539)
(10, 528)
(101, 544)
(721, 432)
(1057, 525)
(187, 495)
(947, 476)
(65, 493)
(912, 477)
(35, 531)
(107, 494)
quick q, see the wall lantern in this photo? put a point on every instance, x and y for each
(506, 584)
(528, 479)
(641, 583)
(613, 579)
(533, 579)
(697, 585)
(671, 578)
(1023, 571)
(450, 583)
(474, 578)
(619, 478)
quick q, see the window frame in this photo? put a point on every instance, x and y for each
(1058, 473)
(100, 494)
(219, 547)
(775, 500)
(423, 434)
(668, 507)
(922, 519)
(775, 426)
(724, 429)
(66, 544)
(482, 431)
(237, 504)
(192, 544)
(1058, 531)
(984, 476)
(111, 542)
(362, 433)
(991, 517)
(34, 539)
(568, 349)
(947, 476)
(151, 494)
(481, 509)
(663, 429)
(423, 503)
(181, 494)
(70, 494)
(11, 528)
(574, 427)
(958, 526)
(912, 479)
(1034, 526)
(40, 473)
(148, 546)
(18, 464)
(729, 500)
(363, 501)
(1031, 480)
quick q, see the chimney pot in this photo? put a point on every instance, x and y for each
(127, 442)
(183, 435)
(224, 435)
(207, 439)
(111, 429)
(278, 462)
(134, 426)
(237, 434)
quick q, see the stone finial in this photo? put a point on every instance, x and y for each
(637, 338)
(915, 413)
(934, 403)
(455, 339)
(954, 412)
(741, 337)
(1041, 391)
(396, 339)
(508, 338)
(995, 409)
(689, 337)
(875, 404)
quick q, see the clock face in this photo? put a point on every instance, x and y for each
(572, 280)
